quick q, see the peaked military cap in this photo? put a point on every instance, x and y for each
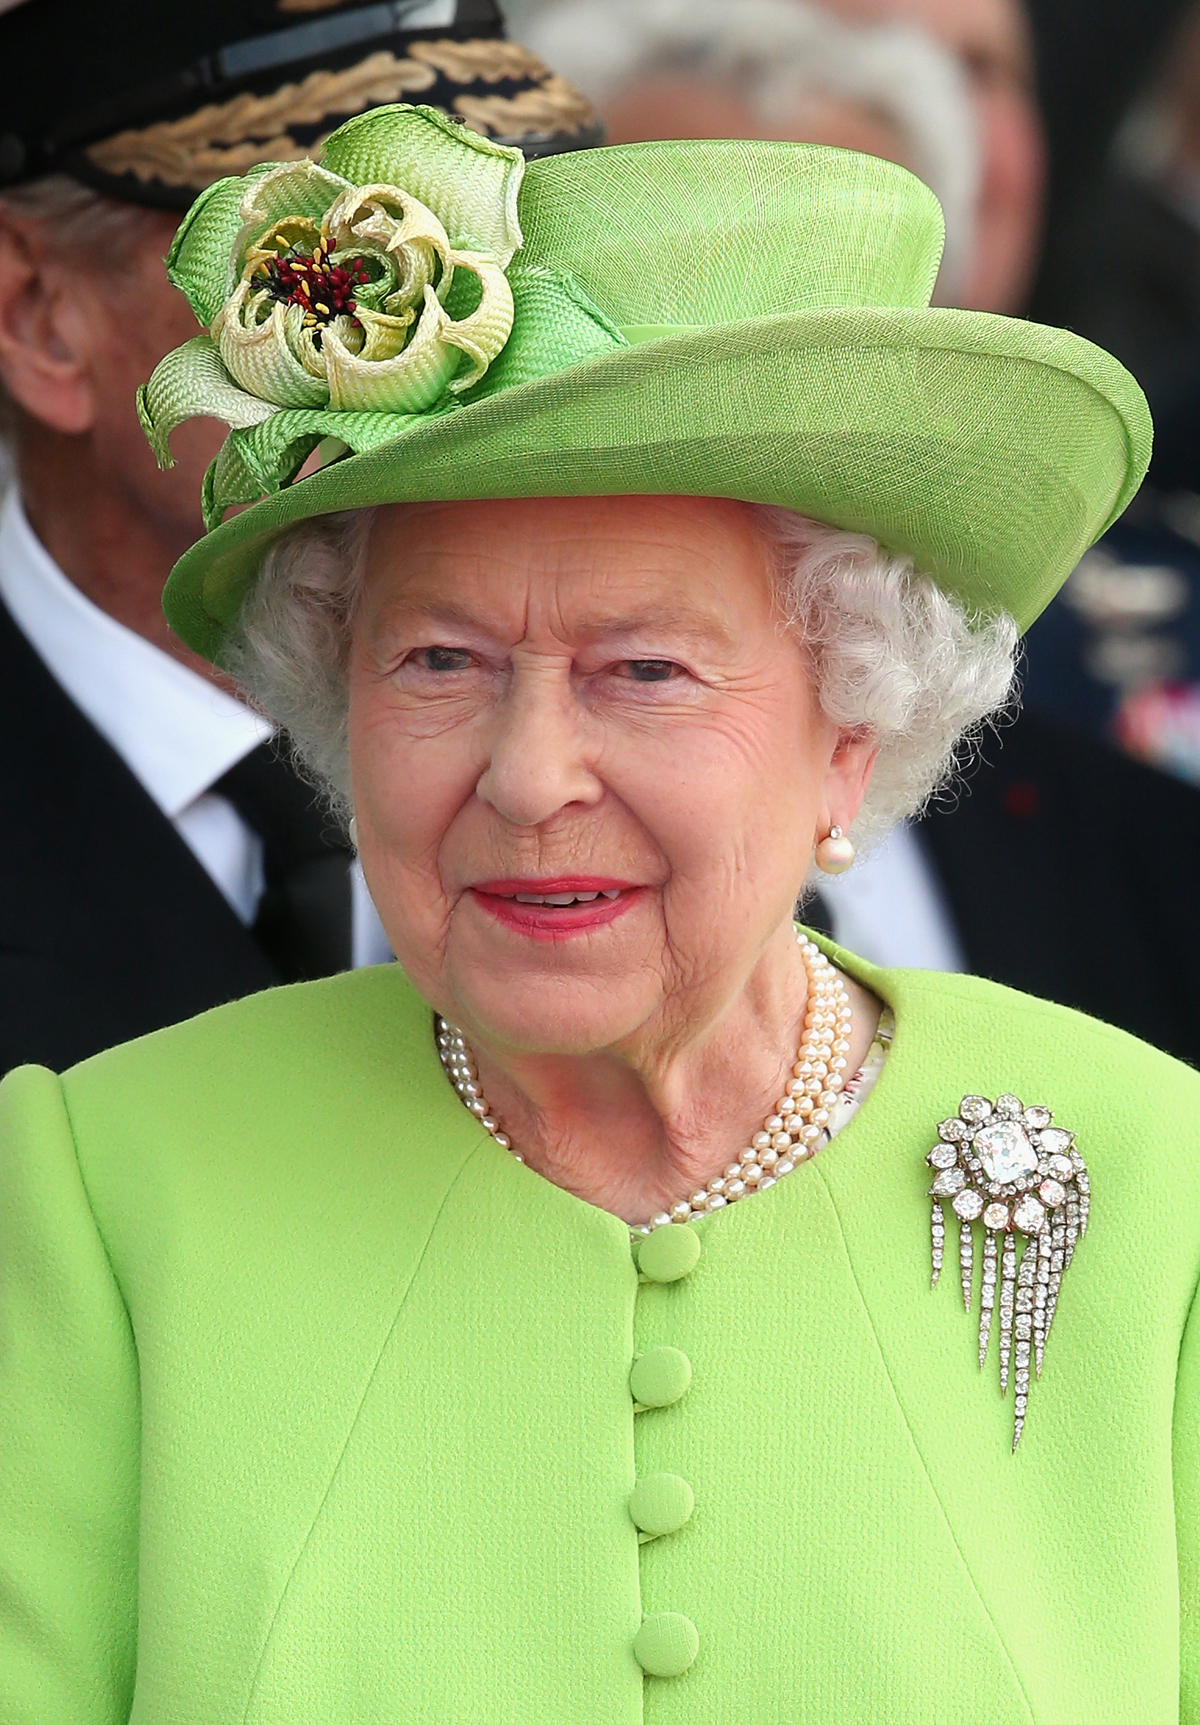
(152, 103)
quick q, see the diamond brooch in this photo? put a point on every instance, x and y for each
(1011, 1169)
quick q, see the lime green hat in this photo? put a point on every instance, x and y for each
(729, 319)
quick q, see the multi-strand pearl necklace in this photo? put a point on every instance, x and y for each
(789, 1136)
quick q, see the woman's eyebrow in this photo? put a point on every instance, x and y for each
(433, 608)
(684, 623)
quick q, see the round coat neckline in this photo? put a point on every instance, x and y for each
(867, 975)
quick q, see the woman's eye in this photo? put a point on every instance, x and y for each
(651, 670)
(443, 659)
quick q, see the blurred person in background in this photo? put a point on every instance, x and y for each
(883, 88)
(159, 854)
(1093, 60)
(1012, 877)
(1136, 262)
(991, 42)
(1121, 653)
(1099, 242)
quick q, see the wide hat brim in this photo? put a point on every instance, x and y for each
(990, 450)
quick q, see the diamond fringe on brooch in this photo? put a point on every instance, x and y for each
(1021, 1176)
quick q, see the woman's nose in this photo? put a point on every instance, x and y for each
(537, 764)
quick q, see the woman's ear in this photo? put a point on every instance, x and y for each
(46, 319)
(847, 779)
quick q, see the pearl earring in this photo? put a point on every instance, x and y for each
(835, 852)
(353, 832)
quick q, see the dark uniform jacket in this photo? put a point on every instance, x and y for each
(109, 926)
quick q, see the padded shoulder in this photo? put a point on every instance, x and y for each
(992, 1011)
(272, 1110)
(958, 1035)
(372, 1010)
(1006, 1014)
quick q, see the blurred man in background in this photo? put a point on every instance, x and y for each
(1016, 876)
(893, 94)
(991, 42)
(1093, 57)
(158, 855)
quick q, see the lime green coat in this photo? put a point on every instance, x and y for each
(315, 1405)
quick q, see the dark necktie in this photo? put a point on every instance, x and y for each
(303, 921)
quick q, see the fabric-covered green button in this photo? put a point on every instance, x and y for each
(659, 1377)
(669, 1253)
(661, 1503)
(666, 1644)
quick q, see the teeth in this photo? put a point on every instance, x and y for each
(564, 898)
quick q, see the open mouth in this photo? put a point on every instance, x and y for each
(554, 908)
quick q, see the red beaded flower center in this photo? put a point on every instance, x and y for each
(323, 289)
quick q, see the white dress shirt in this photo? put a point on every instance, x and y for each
(177, 732)
(891, 909)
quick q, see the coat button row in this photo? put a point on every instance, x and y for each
(667, 1642)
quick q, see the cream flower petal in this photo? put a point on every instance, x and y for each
(416, 240)
(300, 232)
(469, 183)
(420, 267)
(301, 342)
(383, 336)
(257, 355)
(410, 382)
(482, 335)
(362, 216)
(295, 189)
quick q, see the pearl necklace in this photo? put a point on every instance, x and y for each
(789, 1136)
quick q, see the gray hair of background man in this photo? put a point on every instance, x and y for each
(780, 54)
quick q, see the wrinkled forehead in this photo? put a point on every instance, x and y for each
(594, 565)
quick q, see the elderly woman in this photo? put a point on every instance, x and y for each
(661, 541)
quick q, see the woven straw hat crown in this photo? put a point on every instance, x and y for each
(720, 232)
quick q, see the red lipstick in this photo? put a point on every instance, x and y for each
(555, 908)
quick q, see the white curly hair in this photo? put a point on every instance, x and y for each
(890, 653)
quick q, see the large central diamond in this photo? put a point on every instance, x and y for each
(1005, 1151)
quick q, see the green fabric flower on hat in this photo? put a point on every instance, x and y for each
(342, 298)
(348, 305)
